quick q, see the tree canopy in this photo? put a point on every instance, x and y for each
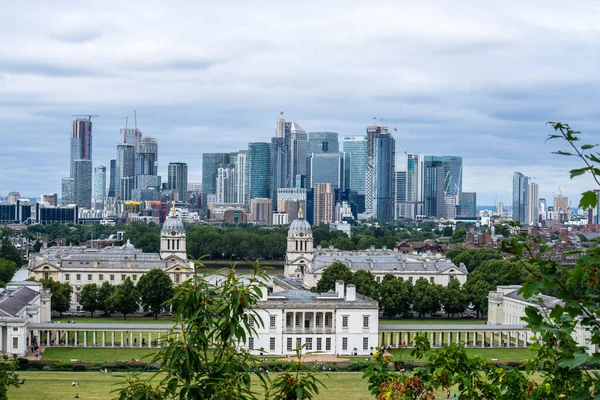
(155, 288)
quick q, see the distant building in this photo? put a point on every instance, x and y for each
(261, 211)
(379, 177)
(533, 196)
(210, 164)
(68, 191)
(327, 168)
(468, 205)
(13, 197)
(324, 203)
(323, 142)
(112, 178)
(520, 198)
(356, 147)
(178, 179)
(51, 199)
(15, 213)
(259, 170)
(48, 215)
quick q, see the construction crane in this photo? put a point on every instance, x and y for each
(90, 116)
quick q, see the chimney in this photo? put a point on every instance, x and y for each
(351, 292)
(339, 289)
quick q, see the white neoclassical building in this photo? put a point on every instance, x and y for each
(340, 322)
(82, 265)
(21, 303)
(306, 263)
(506, 307)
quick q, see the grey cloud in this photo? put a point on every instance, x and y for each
(45, 69)
(78, 36)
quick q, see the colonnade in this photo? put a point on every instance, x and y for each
(318, 321)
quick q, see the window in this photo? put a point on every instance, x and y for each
(410, 278)
(78, 288)
(289, 343)
(77, 297)
(365, 321)
(46, 275)
(297, 319)
(67, 277)
(431, 279)
(89, 277)
(15, 343)
(272, 344)
(134, 277)
(328, 343)
(298, 343)
(177, 278)
(112, 277)
(15, 329)
(288, 320)
(250, 343)
(345, 321)
(100, 277)
(345, 343)
(378, 279)
(365, 343)
(272, 321)
(308, 343)
(317, 320)
(123, 277)
(78, 277)
(319, 344)
(251, 320)
(327, 320)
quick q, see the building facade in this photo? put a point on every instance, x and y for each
(520, 198)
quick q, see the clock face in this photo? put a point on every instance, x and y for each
(173, 233)
(301, 234)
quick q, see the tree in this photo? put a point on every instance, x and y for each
(89, 298)
(395, 296)
(426, 297)
(365, 283)
(125, 299)
(9, 252)
(104, 293)
(8, 376)
(155, 288)
(453, 298)
(335, 272)
(207, 358)
(61, 294)
(459, 235)
(7, 270)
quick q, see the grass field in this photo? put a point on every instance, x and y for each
(500, 354)
(115, 320)
(96, 386)
(431, 321)
(97, 354)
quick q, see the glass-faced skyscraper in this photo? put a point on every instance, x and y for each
(99, 182)
(80, 155)
(211, 162)
(323, 142)
(178, 179)
(379, 176)
(259, 170)
(356, 148)
(520, 198)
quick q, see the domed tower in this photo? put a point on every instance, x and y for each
(299, 255)
(173, 238)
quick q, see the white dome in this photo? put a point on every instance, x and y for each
(173, 223)
(300, 225)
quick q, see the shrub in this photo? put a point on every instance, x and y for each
(358, 366)
(22, 364)
(79, 367)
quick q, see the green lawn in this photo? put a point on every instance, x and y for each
(97, 354)
(500, 354)
(431, 321)
(95, 386)
(115, 320)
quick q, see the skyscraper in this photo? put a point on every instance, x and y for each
(81, 175)
(225, 184)
(324, 203)
(327, 168)
(259, 170)
(83, 183)
(433, 188)
(178, 179)
(533, 210)
(240, 163)
(112, 179)
(99, 182)
(468, 205)
(561, 207)
(68, 191)
(323, 142)
(356, 147)
(211, 162)
(124, 168)
(279, 166)
(379, 176)
(81, 142)
(296, 146)
(147, 158)
(399, 194)
(520, 198)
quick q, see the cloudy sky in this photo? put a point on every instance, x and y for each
(475, 79)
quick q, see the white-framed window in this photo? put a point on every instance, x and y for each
(288, 320)
(297, 319)
(365, 321)
(365, 343)
(89, 277)
(100, 277)
(431, 280)
(289, 343)
(410, 278)
(250, 343)
(319, 344)
(317, 320)
(123, 277)
(272, 344)
(251, 320)
(134, 277)
(15, 343)
(112, 277)
(327, 320)
(345, 343)
(308, 343)
(272, 321)
(328, 343)
(78, 277)
(67, 277)
(15, 329)
(344, 321)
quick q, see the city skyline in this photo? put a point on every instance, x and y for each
(456, 82)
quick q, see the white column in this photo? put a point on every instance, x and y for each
(140, 340)
(103, 338)
(47, 339)
(122, 339)
(149, 339)
(113, 338)
(131, 338)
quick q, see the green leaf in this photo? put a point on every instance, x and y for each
(588, 146)
(577, 360)
(588, 199)
(578, 171)
(563, 153)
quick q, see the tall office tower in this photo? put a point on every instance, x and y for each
(83, 183)
(468, 205)
(450, 203)
(323, 142)
(452, 174)
(240, 190)
(296, 140)
(81, 142)
(99, 182)
(225, 184)
(147, 157)
(327, 168)
(13, 197)
(356, 148)
(414, 184)
(324, 203)
(520, 198)
(210, 164)
(131, 136)
(112, 178)
(399, 194)
(433, 188)
(51, 199)
(561, 207)
(500, 209)
(178, 179)
(124, 168)
(597, 207)
(259, 170)
(379, 176)
(261, 211)
(279, 166)
(533, 211)
(68, 191)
